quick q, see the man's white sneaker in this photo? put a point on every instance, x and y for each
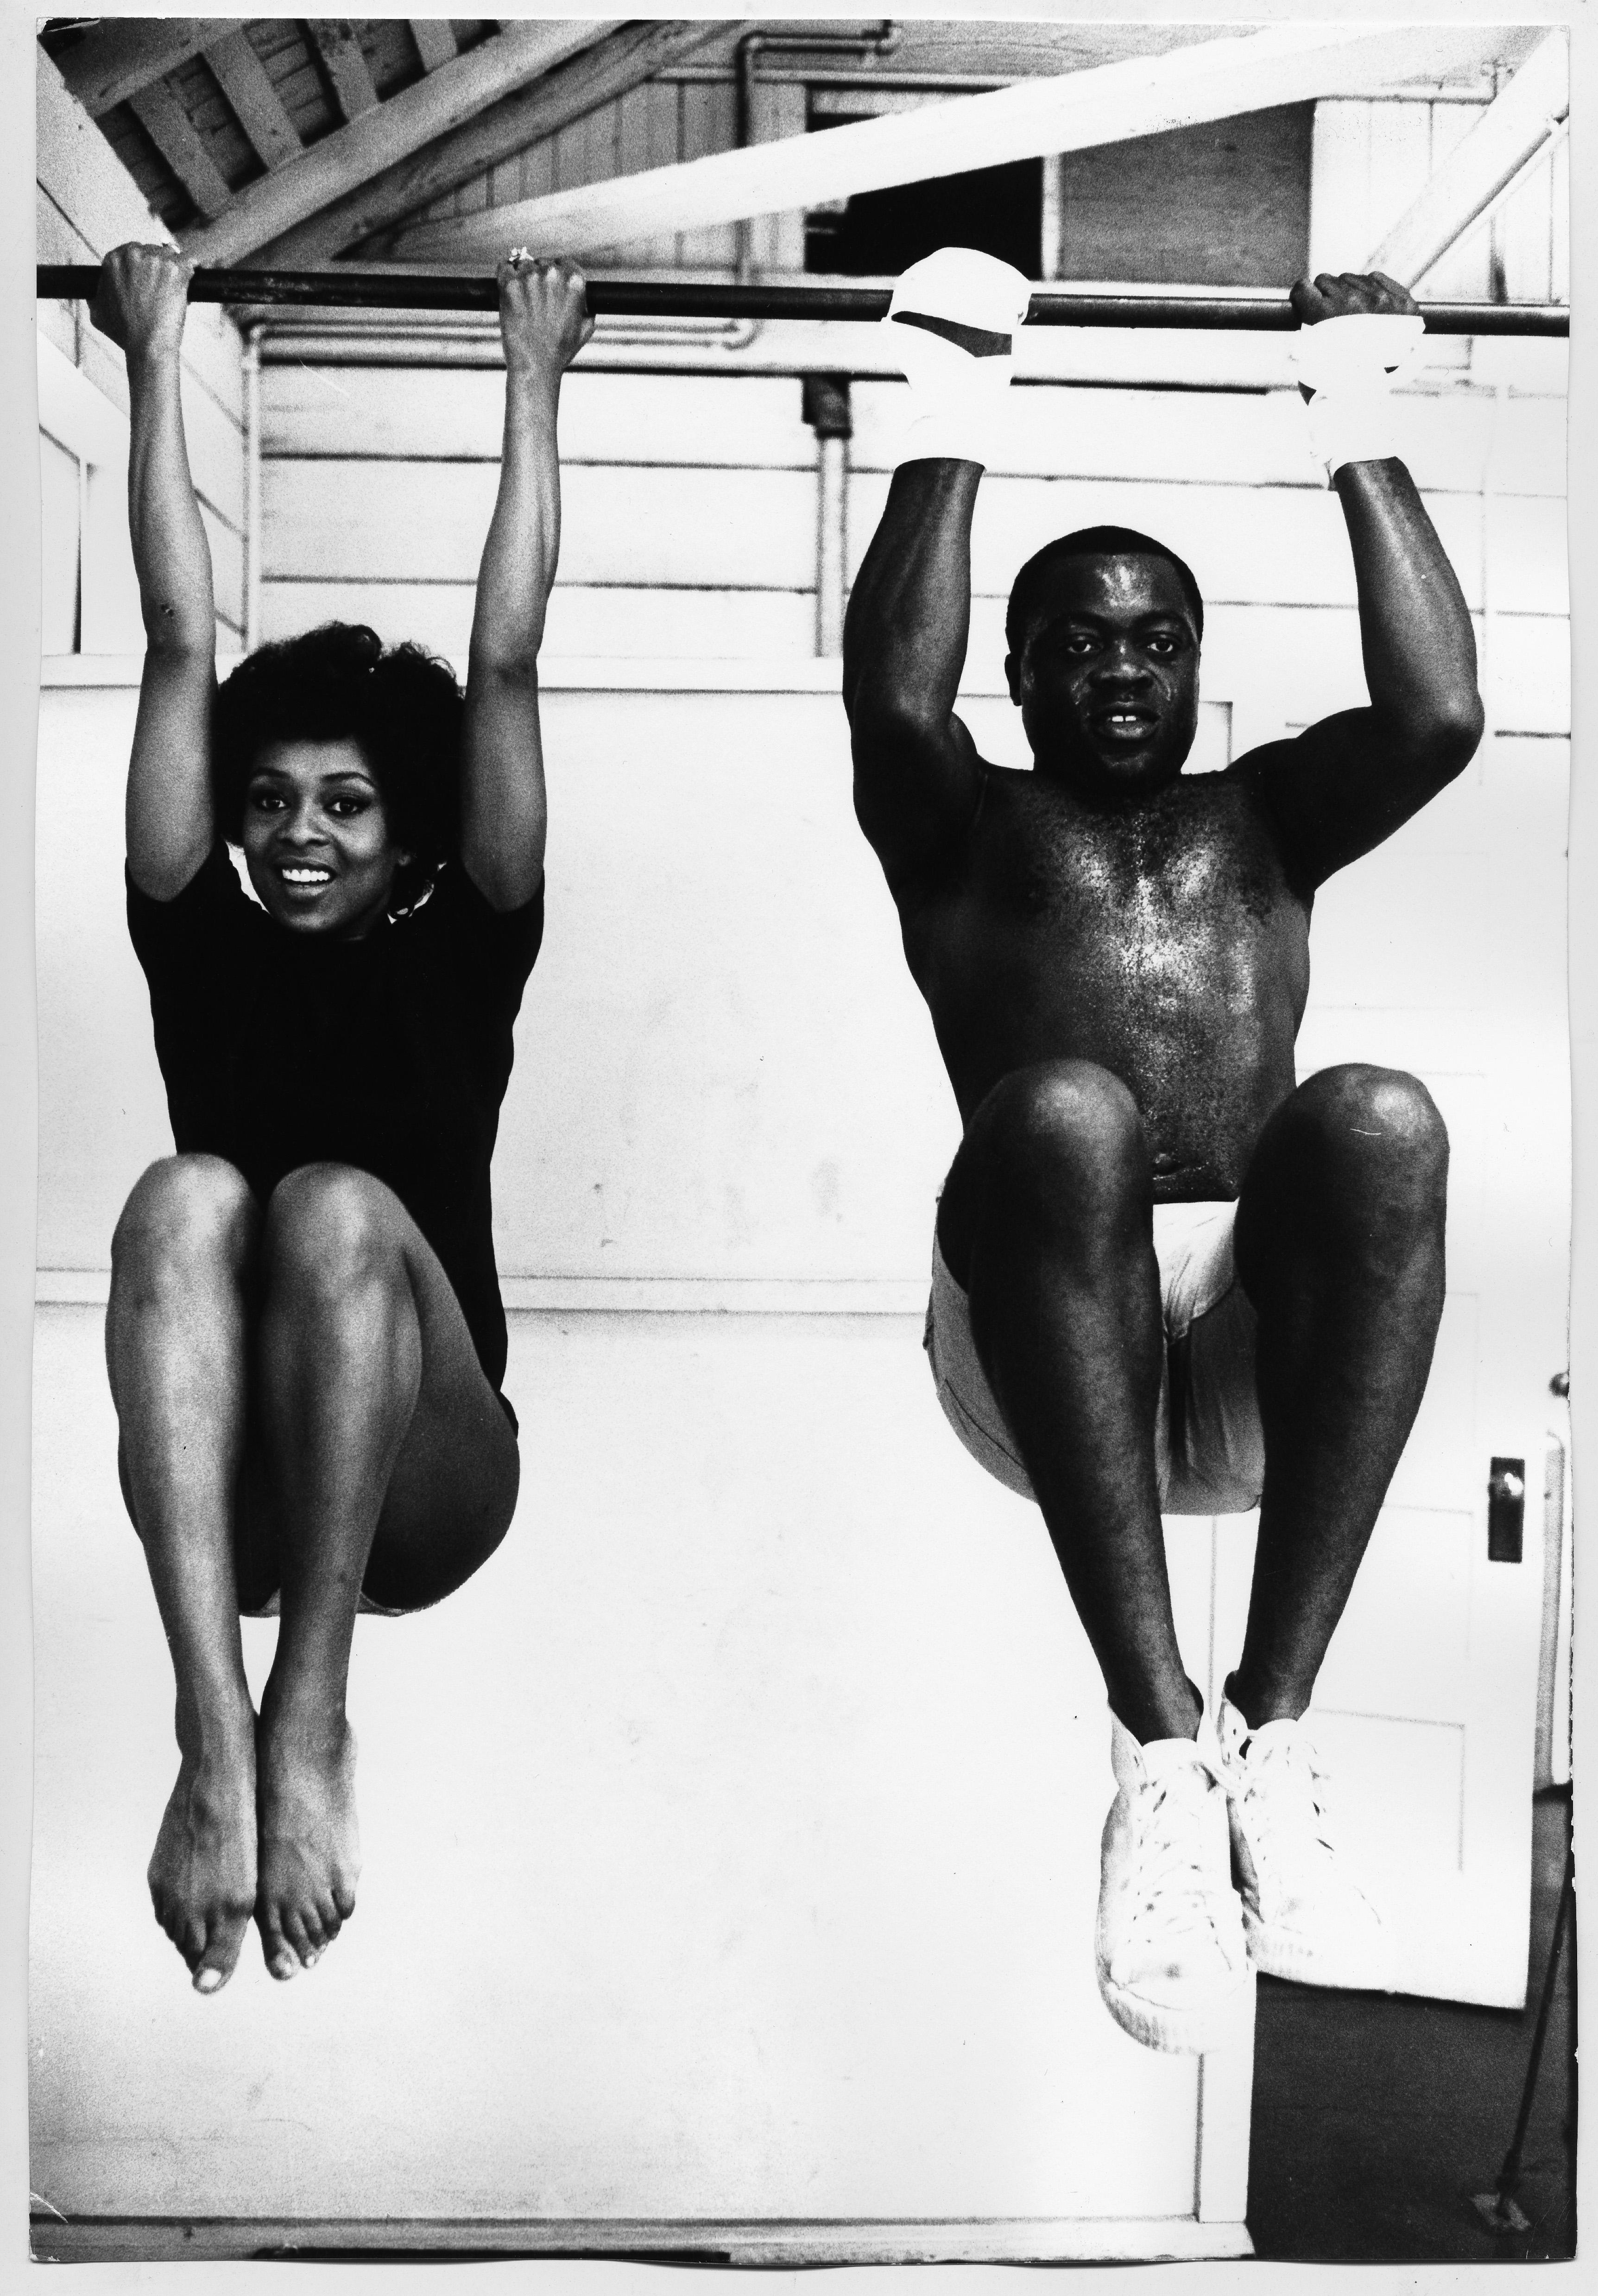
(1172, 1963)
(1304, 1915)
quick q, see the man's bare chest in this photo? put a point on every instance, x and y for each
(1189, 873)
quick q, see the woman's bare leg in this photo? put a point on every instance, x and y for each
(384, 1449)
(175, 1339)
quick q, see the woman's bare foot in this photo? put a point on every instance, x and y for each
(202, 1875)
(309, 1853)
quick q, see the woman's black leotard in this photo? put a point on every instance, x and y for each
(391, 1052)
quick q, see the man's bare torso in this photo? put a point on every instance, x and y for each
(1157, 936)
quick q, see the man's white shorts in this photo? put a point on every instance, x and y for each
(1209, 1449)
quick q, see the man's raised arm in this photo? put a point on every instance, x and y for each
(1350, 781)
(917, 776)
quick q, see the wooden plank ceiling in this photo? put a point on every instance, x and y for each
(214, 119)
(245, 96)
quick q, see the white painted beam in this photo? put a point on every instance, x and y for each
(121, 56)
(257, 106)
(383, 138)
(1515, 126)
(80, 174)
(74, 414)
(631, 56)
(1213, 79)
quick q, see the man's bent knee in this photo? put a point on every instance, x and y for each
(187, 1215)
(330, 1229)
(1057, 1147)
(1067, 1124)
(1382, 1122)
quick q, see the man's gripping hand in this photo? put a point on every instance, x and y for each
(543, 318)
(1358, 329)
(1349, 294)
(952, 326)
(143, 298)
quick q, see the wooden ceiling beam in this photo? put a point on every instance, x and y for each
(435, 39)
(632, 54)
(382, 138)
(348, 74)
(177, 140)
(258, 109)
(123, 54)
(1109, 103)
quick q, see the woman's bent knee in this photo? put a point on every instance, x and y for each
(332, 1227)
(186, 1217)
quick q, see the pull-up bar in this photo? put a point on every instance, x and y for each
(663, 298)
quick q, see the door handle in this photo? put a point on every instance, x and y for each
(1505, 1510)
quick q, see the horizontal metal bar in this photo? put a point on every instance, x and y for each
(629, 299)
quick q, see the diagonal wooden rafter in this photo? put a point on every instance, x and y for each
(632, 54)
(350, 75)
(1510, 131)
(435, 40)
(258, 109)
(175, 136)
(1213, 79)
(418, 115)
(122, 56)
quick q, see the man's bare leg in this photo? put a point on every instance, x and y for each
(384, 1453)
(175, 1347)
(1045, 1222)
(1339, 1247)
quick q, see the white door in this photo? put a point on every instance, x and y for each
(1443, 953)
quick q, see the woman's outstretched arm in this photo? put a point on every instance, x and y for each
(544, 320)
(140, 305)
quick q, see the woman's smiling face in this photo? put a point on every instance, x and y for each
(316, 839)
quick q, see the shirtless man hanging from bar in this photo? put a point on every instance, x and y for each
(1166, 1274)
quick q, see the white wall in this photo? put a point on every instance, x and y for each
(691, 511)
(1370, 161)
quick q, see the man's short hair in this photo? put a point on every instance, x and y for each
(1092, 542)
(340, 683)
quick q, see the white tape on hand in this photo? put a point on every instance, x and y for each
(956, 395)
(1362, 350)
(1350, 365)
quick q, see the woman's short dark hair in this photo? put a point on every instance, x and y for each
(1094, 542)
(340, 682)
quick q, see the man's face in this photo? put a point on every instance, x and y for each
(1106, 675)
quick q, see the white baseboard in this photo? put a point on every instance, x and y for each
(617, 1295)
(749, 2241)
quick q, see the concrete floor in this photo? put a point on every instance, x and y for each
(1376, 2120)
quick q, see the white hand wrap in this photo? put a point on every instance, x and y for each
(1350, 365)
(956, 397)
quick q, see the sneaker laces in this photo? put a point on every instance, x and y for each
(1283, 1774)
(1173, 1883)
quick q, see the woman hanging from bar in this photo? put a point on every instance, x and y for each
(305, 1336)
